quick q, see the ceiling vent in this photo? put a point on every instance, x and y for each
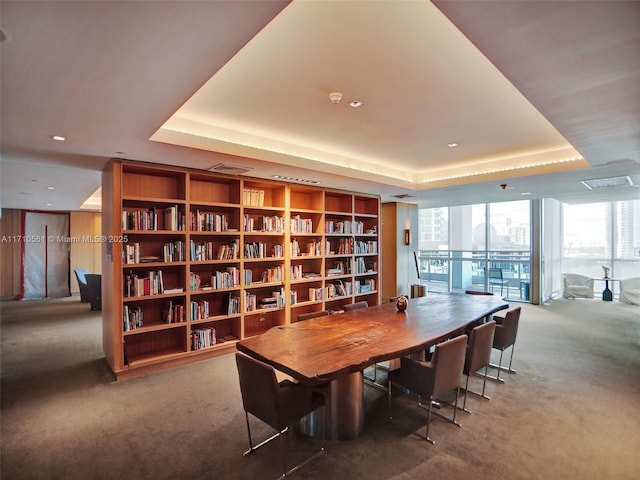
(230, 169)
(403, 196)
(599, 183)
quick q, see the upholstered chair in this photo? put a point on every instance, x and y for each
(431, 380)
(505, 337)
(577, 286)
(309, 315)
(278, 404)
(478, 356)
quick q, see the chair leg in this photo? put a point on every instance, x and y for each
(426, 437)
(466, 392)
(511, 370)
(500, 367)
(253, 448)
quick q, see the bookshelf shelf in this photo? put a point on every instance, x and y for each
(238, 256)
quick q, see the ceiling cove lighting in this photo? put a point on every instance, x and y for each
(598, 183)
(500, 170)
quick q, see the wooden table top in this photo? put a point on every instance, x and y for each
(325, 348)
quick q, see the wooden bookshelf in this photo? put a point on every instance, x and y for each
(217, 258)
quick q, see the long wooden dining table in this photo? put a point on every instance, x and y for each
(333, 351)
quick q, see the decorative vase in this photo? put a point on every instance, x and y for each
(401, 303)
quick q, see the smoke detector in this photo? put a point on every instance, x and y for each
(335, 97)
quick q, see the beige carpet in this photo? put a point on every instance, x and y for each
(571, 412)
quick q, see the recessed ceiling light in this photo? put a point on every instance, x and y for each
(525, 193)
(356, 103)
(58, 138)
(51, 187)
(48, 204)
(452, 145)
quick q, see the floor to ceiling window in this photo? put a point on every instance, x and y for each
(460, 250)
(598, 235)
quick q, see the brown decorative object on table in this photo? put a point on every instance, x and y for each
(401, 303)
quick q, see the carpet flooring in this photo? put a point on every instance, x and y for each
(571, 412)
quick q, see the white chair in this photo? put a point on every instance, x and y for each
(577, 286)
(630, 290)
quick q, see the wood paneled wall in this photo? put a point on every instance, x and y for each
(10, 251)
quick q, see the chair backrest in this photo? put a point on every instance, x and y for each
(507, 330)
(477, 292)
(478, 353)
(308, 315)
(576, 279)
(495, 273)
(356, 306)
(448, 362)
(258, 385)
(80, 275)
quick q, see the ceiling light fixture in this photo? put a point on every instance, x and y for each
(452, 145)
(295, 179)
(335, 97)
(51, 187)
(58, 138)
(356, 104)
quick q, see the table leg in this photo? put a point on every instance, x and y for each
(342, 418)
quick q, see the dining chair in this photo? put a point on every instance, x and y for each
(477, 356)
(505, 337)
(356, 306)
(477, 292)
(431, 380)
(309, 315)
(278, 404)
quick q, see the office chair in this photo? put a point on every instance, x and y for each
(478, 355)
(278, 404)
(433, 379)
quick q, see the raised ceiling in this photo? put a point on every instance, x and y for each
(538, 95)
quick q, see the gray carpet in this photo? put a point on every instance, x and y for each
(571, 412)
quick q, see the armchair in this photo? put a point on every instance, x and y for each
(630, 290)
(435, 378)
(278, 404)
(82, 283)
(577, 286)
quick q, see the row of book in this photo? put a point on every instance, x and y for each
(148, 219)
(132, 318)
(301, 225)
(370, 246)
(344, 227)
(203, 338)
(275, 300)
(171, 252)
(208, 222)
(273, 224)
(365, 286)
(260, 250)
(360, 265)
(311, 248)
(253, 197)
(199, 310)
(200, 251)
(172, 312)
